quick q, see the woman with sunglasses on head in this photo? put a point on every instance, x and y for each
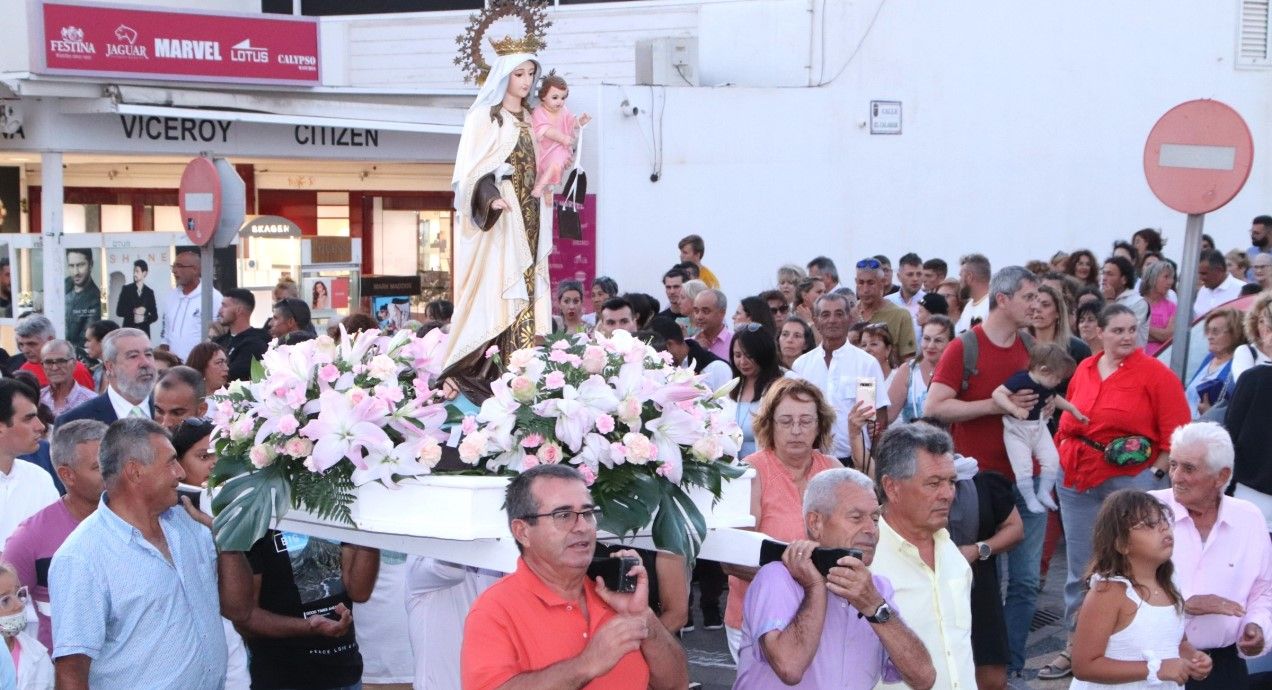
(795, 339)
(755, 361)
(754, 310)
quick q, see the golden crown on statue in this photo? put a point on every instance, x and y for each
(533, 14)
(511, 46)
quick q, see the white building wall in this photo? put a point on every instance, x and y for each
(1023, 133)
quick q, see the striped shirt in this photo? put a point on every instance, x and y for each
(145, 621)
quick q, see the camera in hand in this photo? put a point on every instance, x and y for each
(615, 572)
(823, 558)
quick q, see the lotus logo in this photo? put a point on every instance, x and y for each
(126, 33)
(73, 34)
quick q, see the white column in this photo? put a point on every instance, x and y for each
(52, 194)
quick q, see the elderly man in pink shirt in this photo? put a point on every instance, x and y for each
(1222, 558)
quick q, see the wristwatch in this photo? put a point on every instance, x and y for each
(984, 551)
(883, 614)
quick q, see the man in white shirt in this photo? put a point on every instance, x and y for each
(910, 275)
(835, 366)
(25, 488)
(927, 571)
(974, 272)
(183, 312)
(1218, 286)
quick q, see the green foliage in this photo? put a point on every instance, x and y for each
(246, 504)
(326, 495)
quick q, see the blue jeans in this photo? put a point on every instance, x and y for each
(1077, 511)
(1024, 564)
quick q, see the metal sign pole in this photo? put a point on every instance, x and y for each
(205, 287)
(1187, 292)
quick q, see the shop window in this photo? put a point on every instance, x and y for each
(81, 218)
(333, 214)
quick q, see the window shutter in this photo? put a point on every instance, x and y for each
(1253, 49)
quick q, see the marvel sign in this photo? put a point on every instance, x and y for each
(186, 46)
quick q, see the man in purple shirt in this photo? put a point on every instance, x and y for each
(1222, 557)
(31, 547)
(803, 630)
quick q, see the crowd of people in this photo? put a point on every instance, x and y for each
(945, 431)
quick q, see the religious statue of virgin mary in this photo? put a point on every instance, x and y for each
(502, 234)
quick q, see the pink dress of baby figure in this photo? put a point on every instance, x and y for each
(555, 131)
(554, 156)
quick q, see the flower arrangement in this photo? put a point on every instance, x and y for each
(639, 429)
(319, 419)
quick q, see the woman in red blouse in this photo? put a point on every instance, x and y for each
(1126, 393)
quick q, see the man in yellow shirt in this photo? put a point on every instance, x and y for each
(691, 250)
(927, 570)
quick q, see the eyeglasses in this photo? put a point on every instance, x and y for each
(869, 263)
(21, 595)
(793, 423)
(55, 362)
(185, 266)
(752, 327)
(785, 308)
(567, 519)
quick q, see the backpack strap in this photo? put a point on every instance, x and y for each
(971, 351)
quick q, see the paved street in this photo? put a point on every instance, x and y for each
(711, 665)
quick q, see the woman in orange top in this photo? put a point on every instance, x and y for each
(792, 425)
(1129, 397)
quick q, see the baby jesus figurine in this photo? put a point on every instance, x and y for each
(555, 131)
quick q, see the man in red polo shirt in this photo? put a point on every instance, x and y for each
(976, 423)
(547, 625)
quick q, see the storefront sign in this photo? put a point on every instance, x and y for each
(387, 286)
(185, 46)
(330, 250)
(270, 226)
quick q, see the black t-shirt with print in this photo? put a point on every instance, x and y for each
(301, 577)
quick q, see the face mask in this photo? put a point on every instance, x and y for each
(13, 624)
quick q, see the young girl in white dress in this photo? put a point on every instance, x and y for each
(1131, 625)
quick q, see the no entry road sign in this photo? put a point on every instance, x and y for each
(200, 200)
(1198, 156)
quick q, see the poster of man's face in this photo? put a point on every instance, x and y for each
(10, 200)
(83, 297)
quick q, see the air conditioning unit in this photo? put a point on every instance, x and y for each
(667, 61)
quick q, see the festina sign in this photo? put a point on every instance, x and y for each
(187, 46)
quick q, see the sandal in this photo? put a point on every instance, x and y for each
(1059, 667)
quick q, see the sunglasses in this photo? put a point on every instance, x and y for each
(869, 263)
(751, 327)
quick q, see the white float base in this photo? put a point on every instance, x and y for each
(461, 519)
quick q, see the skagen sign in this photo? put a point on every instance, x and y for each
(270, 226)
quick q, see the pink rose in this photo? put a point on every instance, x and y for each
(298, 447)
(530, 461)
(532, 441)
(469, 425)
(604, 423)
(594, 359)
(523, 388)
(492, 351)
(558, 355)
(430, 451)
(663, 470)
(589, 477)
(561, 345)
(261, 456)
(329, 373)
(554, 381)
(640, 449)
(288, 425)
(550, 453)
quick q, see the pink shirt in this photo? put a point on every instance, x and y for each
(1159, 317)
(30, 549)
(719, 345)
(1234, 562)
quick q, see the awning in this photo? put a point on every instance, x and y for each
(432, 120)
